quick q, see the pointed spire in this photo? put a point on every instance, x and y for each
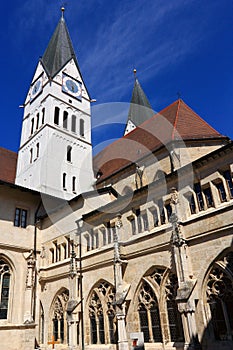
(60, 49)
(140, 109)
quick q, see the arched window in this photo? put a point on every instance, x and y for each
(56, 115)
(73, 123)
(37, 120)
(64, 181)
(81, 127)
(59, 324)
(149, 314)
(65, 119)
(32, 126)
(43, 116)
(101, 314)
(68, 153)
(157, 298)
(4, 288)
(220, 297)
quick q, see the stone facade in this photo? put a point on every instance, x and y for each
(144, 251)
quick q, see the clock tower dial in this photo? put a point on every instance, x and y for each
(36, 88)
(72, 86)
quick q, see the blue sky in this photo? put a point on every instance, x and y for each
(176, 46)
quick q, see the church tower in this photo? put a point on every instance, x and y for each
(140, 109)
(55, 154)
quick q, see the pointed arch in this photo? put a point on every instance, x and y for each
(155, 302)
(58, 324)
(5, 287)
(101, 313)
(218, 296)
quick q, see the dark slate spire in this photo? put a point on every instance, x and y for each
(140, 109)
(60, 49)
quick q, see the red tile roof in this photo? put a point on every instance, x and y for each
(176, 122)
(8, 162)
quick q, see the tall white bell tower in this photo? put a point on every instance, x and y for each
(55, 154)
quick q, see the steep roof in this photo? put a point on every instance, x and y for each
(176, 122)
(8, 162)
(140, 109)
(59, 51)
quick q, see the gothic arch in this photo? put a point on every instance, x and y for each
(101, 313)
(57, 317)
(217, 294)
(156, 307)
(5, 260)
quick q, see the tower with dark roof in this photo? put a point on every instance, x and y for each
(55, 154)
(140, 109)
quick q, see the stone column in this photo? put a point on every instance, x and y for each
(30, 278)
(121, 291)
(186, 282)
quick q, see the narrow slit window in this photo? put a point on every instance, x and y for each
(43, 116)
(81, 127)
(37, 120)
(74, 184)
(37, 150)
(73, 124)
(56, 115)
(65, 120)
(68, 153)
(31, 155)
(64, 181)
(32, 126)
(208, 196)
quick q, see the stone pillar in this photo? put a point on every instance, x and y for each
(30, 279)
(186, 282)
(72, 311)
(121, 291)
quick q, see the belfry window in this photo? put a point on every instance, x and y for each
(32, 126)
(37, 120)
(81, 127)
(73, 123)
(56, 115)
(65, 120)
(4, 289)
(68, 153)
(43, 116)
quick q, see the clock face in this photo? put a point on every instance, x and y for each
(36, 88)
(72, 87)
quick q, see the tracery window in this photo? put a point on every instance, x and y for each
(149, 314)
(156, 297)
(4, 288)
(220, 297)
(59, 324)
(101, 314)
